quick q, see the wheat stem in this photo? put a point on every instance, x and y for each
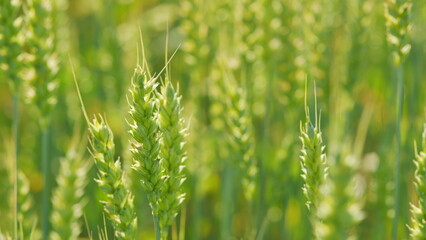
(45, 163)
(15, 134)
(157, 227)
(397, 173)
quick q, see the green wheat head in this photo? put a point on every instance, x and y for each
(68, 198)
(313, 162)
(42, 84)
(119, 203)
(145, 132)
(397, 13)
(11, 41)
(418, 220)
(242, 138)
(172, 154)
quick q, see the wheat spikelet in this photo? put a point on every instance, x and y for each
(119, 203)
(172, 155)
(418, 220)
(398, 28)
(67, 199)
(144, 130)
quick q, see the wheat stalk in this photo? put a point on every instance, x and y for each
(398, 28)
(172, 154)
(119, 200)
(68, 198)
(418, 220)
(42, 85)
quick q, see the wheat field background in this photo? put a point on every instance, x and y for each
(224, 119)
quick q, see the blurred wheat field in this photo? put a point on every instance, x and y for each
(245, 119)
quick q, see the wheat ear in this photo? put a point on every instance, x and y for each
(242, 137)
(27, 218)
(172, 154)
(418, 220)
(313, 164)
(67, 199)
(119, 200)
(144, 130)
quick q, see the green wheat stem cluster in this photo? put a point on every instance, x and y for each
(119, 200)
(313, 163)
(68, 198)
(172, 154)
(418, 221)
(145, 133)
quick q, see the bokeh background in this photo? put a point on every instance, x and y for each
(272, 48)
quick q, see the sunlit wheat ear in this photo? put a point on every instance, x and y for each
(42, 84)
(398, 28)
(313, 162)
(418, 211)
(26, 215)
(172, 154)
(119, 200)
(144, 131)
(67, 199)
